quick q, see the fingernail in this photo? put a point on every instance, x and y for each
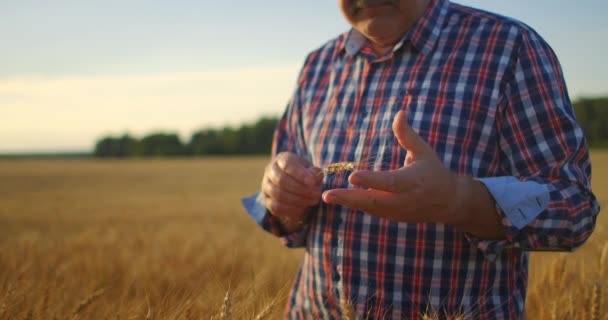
(356, 178)
(316, 172)
(328, 197)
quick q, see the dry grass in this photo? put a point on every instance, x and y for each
(167, 239)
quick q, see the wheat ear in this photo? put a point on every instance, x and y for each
(266, 311)
(226, 312)
(596, 301)
(86, 302)
(347, 308)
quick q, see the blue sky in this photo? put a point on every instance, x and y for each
(73, 71)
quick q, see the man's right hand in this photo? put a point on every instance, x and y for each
(291, 185)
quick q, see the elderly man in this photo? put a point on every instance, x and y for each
(469, 156)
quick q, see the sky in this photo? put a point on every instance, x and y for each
(72, 72)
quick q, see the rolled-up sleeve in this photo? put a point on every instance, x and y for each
(288, 137)
(258, 212)
(541, 144)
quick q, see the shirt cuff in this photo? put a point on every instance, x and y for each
(258, 212)
(518, 203)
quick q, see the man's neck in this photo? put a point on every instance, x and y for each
(381, 50)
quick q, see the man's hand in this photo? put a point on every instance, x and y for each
(423, 190)
(291, 185)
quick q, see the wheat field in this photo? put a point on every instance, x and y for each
(168, 239)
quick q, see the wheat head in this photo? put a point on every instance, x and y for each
(226, 312)
(87, 301)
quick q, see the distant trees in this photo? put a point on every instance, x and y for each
(256, 138)
(592, 114)
(253, 138)
(124, 146)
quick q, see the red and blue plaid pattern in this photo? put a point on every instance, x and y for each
(487, 93)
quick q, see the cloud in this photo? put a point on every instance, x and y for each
(71, 112)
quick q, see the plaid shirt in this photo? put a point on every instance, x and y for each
(487, 93)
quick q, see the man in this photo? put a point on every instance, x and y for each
(470, 152)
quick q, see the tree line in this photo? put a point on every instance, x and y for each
(248, 139)
(592, 114)
(256, 138)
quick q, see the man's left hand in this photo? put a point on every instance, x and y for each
(423, 190)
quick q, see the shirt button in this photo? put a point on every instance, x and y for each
(339, 268)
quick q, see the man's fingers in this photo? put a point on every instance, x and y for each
(280, 209)
(374, 202)
(407, 137)
(284, 196)
(392, 181)
(279, 178)
(380, 180)
(318, 175)
(297, 167)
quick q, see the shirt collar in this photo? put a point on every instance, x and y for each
(422, 35)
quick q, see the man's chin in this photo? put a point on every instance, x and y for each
(376, 28)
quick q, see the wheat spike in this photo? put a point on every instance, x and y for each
(596, 302)
(348, 311)
(266, 311)
(570, 312)
(553, 311)
(149, 313)
(86, 302)
(44, 307)
(4, 306)
(226, 312)
(340, 167)
(604, 260)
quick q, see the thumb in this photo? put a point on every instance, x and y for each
(407, 137)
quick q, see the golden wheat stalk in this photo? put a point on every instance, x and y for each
(596, 301)
(149, 313)
(604, 260)
(226, 312)
(87, 301)
(4, 306)
(266, 311)
(571, 310)
(553, 311)
(347, 308)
